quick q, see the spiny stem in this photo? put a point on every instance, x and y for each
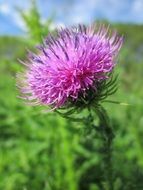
(107, 136)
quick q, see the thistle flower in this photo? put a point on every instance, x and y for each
(69, 64)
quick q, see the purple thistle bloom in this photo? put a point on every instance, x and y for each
(68, 64)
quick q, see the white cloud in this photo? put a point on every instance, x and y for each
(113, 10)
(5, 8)
(8, 10)
(18, 21)
(79, 11)
(82, 12)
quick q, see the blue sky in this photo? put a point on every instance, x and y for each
(69, 12)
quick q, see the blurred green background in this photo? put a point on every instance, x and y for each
(45, 152)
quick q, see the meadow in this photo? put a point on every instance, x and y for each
(43, 151)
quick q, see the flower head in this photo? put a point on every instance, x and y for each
(68, 64)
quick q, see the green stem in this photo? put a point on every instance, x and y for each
(107, 136)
